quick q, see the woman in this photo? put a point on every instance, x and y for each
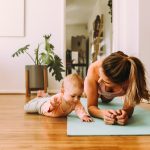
(117, 75)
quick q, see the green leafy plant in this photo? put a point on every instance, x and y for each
(46, 56)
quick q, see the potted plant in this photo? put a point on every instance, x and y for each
(45, 58)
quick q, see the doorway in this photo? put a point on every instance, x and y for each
(82, 46)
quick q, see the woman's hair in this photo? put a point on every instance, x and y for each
(73, 80)
(120, 68)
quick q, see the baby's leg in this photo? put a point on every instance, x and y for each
(34, 106)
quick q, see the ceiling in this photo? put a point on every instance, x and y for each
(78, 11)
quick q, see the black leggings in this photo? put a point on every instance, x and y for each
(105, 100)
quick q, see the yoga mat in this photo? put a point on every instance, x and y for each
(139, 124)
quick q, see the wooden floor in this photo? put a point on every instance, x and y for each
(20, 131)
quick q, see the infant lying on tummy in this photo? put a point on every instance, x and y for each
(63, 103)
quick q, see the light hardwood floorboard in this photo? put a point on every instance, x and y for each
(20, 131)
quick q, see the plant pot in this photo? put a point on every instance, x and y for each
(35, 75)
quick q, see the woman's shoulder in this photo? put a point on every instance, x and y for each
(94, 67)
(93, 70)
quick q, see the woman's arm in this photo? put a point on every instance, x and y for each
(128, 109)
(91, 90)
(109, 116)
(124, 114)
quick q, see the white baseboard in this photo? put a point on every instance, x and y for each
(12, 91)
(23, 91)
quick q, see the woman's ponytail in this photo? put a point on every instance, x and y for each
(137, 89)
(129, 71)
(132, 91)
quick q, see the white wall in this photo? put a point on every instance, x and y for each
(144, 34)
(75, 30)
(41, 17)
(119, 25)
(125, 26)
(131, 29)
(131, 33)
(12, 23)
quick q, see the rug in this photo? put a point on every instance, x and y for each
(139, 124)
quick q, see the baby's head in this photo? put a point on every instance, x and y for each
(72, 87)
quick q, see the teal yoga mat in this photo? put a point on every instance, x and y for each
(139, 124)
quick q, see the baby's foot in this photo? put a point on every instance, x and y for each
(41, 93)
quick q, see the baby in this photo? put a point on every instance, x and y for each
(63, 103)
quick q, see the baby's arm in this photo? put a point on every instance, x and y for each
(82, 114)
(54, 103)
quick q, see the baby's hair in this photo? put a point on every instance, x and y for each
(74, 79)
(119, 68)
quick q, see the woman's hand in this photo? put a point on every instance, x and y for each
(122, 117)
(109, 116)
(112, 117)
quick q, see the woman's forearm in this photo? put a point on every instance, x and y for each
(129, 111)
(95, 112)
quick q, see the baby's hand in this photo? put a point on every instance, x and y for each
(87, 118)
(55, 103)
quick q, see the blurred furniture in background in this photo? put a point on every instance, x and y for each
(98, 46)
(77, 59)
(36, 78)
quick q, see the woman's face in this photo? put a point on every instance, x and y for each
(104, 79)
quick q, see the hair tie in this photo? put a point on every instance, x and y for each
(128, 58)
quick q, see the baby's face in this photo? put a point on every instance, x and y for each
(72, 94)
